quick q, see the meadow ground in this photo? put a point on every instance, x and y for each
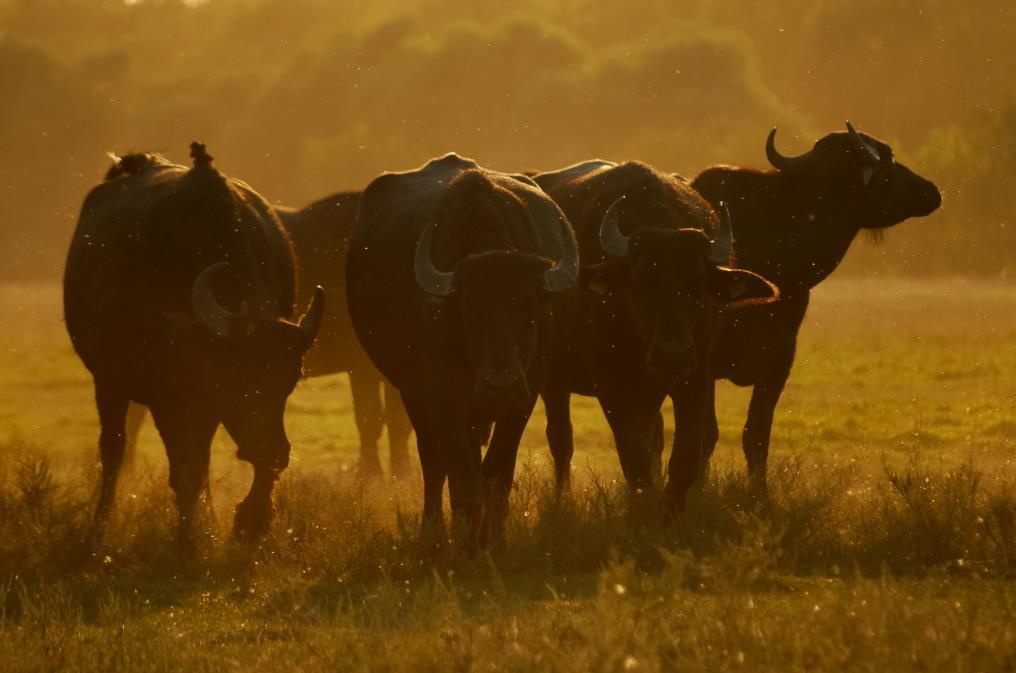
(889, 542)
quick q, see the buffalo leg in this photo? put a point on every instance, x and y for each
(686, 460)
(254, 513)
(758, 428)
(656, 448)
(399, 429)
(431, 463)
(369, 413)
(136, 414)
(633, 423)
(462, 459)
(557, 404)
(187, 434)
(499, 471)
(710, 429)
(112, 406)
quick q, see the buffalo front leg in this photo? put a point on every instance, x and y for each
(656, 448)
(557, 404)
(686, 459)
(112, 407)
(710, 429)
(499, 471)
(633, 423)
(399, 429)
(462, 459)
(431, 463)
(758, 429)
(365, 383)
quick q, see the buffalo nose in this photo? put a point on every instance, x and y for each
(499, 380)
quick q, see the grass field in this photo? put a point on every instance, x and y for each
(889, 544)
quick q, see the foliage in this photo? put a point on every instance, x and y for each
(306, 97)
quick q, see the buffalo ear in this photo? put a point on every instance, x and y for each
(605, 277)
(737, 287)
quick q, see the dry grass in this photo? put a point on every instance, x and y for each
(889, 541)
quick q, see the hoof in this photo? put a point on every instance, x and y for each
(251, 521)
(402, 468)
(369, 469)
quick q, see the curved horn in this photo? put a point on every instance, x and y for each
(781, 162)
(860, 144)
(430, 280)
(563, 274)
(723, 245)
(310, 323)
(613, 242)
(206, 307)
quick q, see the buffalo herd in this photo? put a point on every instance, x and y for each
(455, 296)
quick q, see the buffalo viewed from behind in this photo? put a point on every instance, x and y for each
(178, 295)
(320, 235)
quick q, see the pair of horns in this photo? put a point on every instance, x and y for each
(221, 321)
(442, 283)
(785, 163)
(615, 244)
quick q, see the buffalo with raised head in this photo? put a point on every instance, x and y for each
(453, 277)
(320, 234)
(178, 295)
(793, 225)
(640, 326)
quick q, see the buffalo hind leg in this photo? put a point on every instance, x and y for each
(254, 513)
(499, 472)
(112, 407)
(557, 404)
(187, 434)
(758, 429)
(365, 384)
(136, 414)
(399, 429)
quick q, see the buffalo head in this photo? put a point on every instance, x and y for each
(255, 363)
(674, 283)
(501, 300)
(858, 175)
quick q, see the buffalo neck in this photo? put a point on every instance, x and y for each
(789, 235)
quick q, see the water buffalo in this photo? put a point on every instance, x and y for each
(452, 289)
(793, 225)
(178, 294)
(319, 234)
(639, 327)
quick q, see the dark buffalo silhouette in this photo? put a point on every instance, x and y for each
(452, 287)
(793, 225)
(178, 294)
(320, 235)
(640, 325)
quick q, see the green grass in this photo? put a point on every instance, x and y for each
(889, 542)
